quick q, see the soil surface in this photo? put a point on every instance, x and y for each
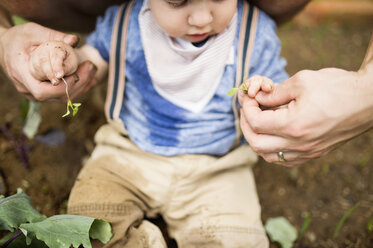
(326, 188)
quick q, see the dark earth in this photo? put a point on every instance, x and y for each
(326, 188)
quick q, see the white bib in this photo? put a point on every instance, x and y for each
(183, 74)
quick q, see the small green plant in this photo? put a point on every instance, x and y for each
(306, 223)
(280, 230)
(70, 105)
(370, 225)
(28, 228)
(234, 90)
(343, 219)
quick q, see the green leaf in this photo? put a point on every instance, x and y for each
(343, 219)
(33, 119)
(306, 223)
(18, 20)
(370, 225)
(280, 230)
(23, 108)
(17, 209)
(20, 242)
(64, 231)
(101, 230)
(74, 107)
(232, 91)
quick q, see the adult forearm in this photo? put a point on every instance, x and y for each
(281, 10)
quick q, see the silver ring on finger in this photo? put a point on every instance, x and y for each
(280, 156)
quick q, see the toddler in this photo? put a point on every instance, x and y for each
(172, 145)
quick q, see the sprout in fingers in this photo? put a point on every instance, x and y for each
(234, 90)
(70, 105)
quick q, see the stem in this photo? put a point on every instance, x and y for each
(18, 146)
(67, 89)
(16, 235)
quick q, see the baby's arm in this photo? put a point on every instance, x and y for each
(54, 60)
(258, 83)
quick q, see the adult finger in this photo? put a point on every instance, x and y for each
(271, 121)
(242, 95)
(263, 143)
(41, 34)
(293, 158)
(82, 80)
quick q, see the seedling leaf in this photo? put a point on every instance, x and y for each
(25, 212)
(74, 106)
(17, 20)
(280, 230)
(343, 219)
(370, 225)
(305, 225)
(232, 91)
(64, 231)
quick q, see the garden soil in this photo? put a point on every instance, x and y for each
(324, 188)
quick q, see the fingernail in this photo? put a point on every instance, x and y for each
(59, 75)
(55, 82)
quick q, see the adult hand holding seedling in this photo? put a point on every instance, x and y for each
(253, 85)
(16, 45)
(52, 61)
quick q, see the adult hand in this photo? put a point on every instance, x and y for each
(325, 108)
(16, 45)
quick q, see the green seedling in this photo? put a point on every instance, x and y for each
(306, 223)
(234, 90)
(70, 105)
(370, 225)
(343, 219)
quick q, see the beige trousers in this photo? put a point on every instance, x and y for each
(206, 201)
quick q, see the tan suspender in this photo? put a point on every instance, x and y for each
(117, 67)
(246, 40)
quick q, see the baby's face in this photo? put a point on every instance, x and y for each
(193, 20)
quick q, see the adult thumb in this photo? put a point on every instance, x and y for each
(282, 94)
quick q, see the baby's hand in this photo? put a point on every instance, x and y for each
(52, 61)
(258, 83)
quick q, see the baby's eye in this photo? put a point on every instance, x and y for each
(176, 3)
